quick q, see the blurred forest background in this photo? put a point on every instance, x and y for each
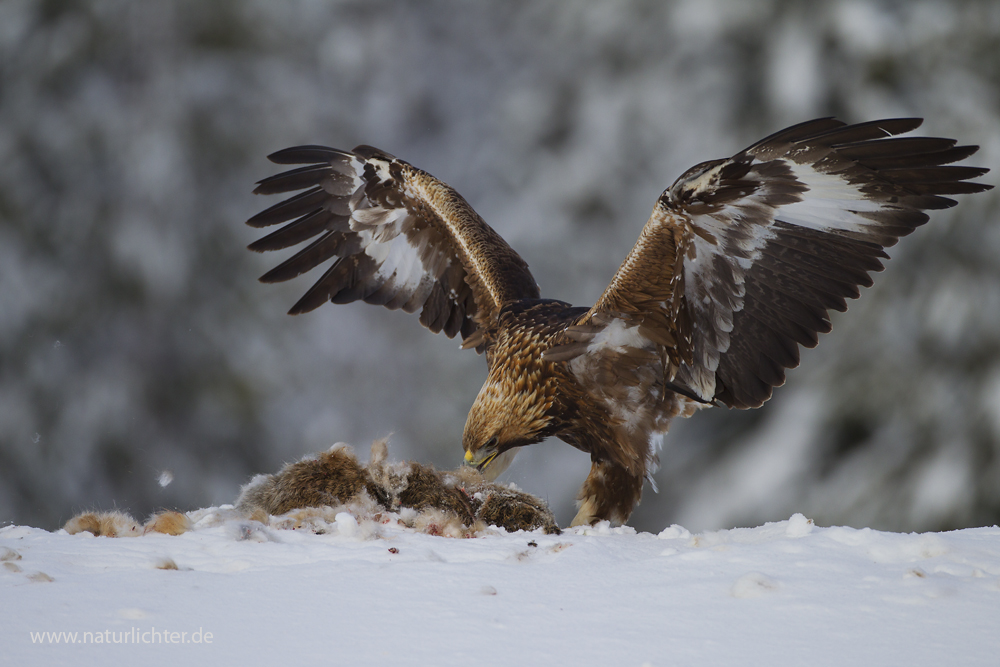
(135, 339)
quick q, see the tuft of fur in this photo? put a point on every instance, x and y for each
(414, 485)
(456, 503)
(169, 523)
(439, 522)
(104, 524)
(120, 524)
(332, 478)
(511, 507)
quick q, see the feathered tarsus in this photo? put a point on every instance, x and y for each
(738, 265)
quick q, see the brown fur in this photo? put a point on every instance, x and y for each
(104, 524)
(168, 523)
(120, 524)
(306, 494)
(427, 488)
(332, 478)
(448, 503)
(508, 507)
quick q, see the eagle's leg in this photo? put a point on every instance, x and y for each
(610, 493)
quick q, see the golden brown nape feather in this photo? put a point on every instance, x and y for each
(505, 416)
(519, 404)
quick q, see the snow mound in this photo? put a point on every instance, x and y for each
(335, 587)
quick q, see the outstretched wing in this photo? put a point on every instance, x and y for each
(396, 236)
(743, 258)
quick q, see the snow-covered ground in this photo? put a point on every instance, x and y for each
(786, 593)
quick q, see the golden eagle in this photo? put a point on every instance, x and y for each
(739, 264)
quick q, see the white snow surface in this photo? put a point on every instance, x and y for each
(786, 593)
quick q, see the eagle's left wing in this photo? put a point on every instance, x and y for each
(389, 234)
(743, 258)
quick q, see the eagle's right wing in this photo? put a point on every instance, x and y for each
(743, 257)
(397, 236)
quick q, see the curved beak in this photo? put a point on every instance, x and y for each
(481, 462)
(490, 462)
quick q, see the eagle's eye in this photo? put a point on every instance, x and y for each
(491, 443)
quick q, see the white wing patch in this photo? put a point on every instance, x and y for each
(831, 203)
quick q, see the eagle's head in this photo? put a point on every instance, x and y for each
(504, 417)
